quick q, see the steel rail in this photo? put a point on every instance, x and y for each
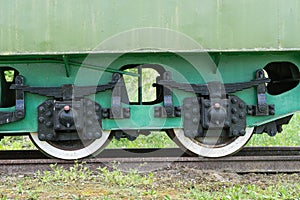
(250, 159)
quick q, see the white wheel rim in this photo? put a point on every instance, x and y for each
(93, 148)
(212, 152)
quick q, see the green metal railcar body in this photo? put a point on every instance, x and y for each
(223, 68)
(56, 27)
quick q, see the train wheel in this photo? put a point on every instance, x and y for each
(212, 147)
(71, 150)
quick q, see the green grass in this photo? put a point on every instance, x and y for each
(79, 182)
(154, 140)
(289, 137)
(16, 143)
(276, 191)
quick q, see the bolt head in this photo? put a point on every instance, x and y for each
(48, 114)
(235, 132)
(195, 133)
(20, 114)
(89, 113)
(187, 116)
(242, 132)
(97, 108)
(178, 108)
(127, 114)
(187, 132)
(49, 103)
(272, 133)
(227, 124)
(98, 134)
(115, 111)
(90, 135)
(42, 136)
(195, 110)
(49, 124)
(279, 129)
(262, 108)
(195, 120)
(242, 115)
(234, 100)
(178, 113)
(241, 105)
(89, 103)
(234, 120)
(41, 119)
(19, 80)
(187, 106)
(207, 104)
(233, 110)
(42, 109)
(206, 125)
(49, 136)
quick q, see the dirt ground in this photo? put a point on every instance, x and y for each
(169, 183)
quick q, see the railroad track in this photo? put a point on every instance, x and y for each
(250, 159)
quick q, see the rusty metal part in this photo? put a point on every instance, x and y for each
(250, 159)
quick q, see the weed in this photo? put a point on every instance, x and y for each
(166, 197)
(75, 173)
(249, 191)
(289, 136)
(117, 177)
(154, 140)
(15, 143)
(32, 195)
(77, 197)
(2, 196)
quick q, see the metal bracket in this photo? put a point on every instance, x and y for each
(168, 110)
(81, 120)
(70, 92)
(203, 89)
(119, 96)
(192, 117)
(66, 92)
(108, 113)
(274, 127)
(67, 66)
(225, 115)
(19, 113)
(262, 108)
(73, 117)
(160, 112)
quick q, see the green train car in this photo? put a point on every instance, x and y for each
(76, 73)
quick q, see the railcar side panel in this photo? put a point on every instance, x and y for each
(51, 27)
